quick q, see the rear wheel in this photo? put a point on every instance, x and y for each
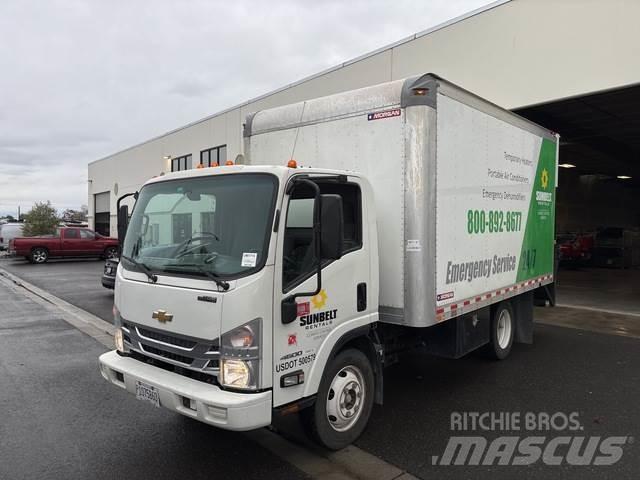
(502, 331)
(39, 255)
(344, 401)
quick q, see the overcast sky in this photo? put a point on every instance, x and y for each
(81, 79)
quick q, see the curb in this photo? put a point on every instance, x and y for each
(84, 321)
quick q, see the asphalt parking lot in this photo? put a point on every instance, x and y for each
(61, 420)
(592, 375)
(76, 281)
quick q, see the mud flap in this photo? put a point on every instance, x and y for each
(458, 336)
(523, 311)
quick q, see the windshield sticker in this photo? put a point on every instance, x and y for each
(249, 259)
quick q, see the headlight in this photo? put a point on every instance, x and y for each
(237, 373)
(118, 339)
(240, 356)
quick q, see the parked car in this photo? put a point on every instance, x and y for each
(66, 242)
(9, 231)
(575, 249)
(617, 247)
(109, 274)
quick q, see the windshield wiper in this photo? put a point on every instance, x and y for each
(146, 270)
(221, 283)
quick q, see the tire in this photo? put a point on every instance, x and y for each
(39, 255)
(502, 332)
(344, 401)
(111, 253)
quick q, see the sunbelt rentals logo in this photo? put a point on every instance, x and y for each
(544, 178)
(321, 316)
(544, 196)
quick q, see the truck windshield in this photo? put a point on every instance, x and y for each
(215, 225)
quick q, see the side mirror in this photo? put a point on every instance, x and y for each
(332, 227)
(123, 220)
(289, 310)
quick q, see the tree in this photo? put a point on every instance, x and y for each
(41, 220)
(77, 216)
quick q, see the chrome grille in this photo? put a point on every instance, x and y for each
(164, 338)
(180, 350)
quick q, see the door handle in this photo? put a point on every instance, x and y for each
(361, 302)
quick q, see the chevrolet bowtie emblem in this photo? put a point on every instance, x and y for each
(162, 316)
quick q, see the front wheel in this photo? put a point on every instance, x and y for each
(39, 255)
(344, 401)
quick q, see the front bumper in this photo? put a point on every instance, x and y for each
(228, 410)
(109, 281)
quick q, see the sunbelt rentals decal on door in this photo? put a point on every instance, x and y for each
(313, 315)
(315, 320)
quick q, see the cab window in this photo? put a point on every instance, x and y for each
(87, 235)
(71, 233)
(299, 261)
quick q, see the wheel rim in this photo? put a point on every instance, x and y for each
(112, 253)
(345, 398)
(504, 329)
(39, 256)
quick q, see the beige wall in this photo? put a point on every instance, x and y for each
(520, 53)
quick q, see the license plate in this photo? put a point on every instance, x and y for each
(148, 393)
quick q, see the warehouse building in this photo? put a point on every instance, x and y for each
(570, 65)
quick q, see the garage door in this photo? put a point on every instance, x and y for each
(102, 213)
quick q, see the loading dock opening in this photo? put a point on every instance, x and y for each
(598, 203)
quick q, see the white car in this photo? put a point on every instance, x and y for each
(9, 231)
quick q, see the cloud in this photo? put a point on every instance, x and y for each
(83, 79)
(191, 88)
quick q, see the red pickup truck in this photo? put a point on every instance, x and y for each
(66, 242)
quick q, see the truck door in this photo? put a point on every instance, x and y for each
(91, 244)
(321, 318)
(71, 242)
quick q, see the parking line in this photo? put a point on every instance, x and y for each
(600, 310)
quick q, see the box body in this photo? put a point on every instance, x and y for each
(464, 190)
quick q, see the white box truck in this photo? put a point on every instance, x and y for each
(419, 216)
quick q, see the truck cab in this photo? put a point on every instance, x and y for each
(229, 282)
